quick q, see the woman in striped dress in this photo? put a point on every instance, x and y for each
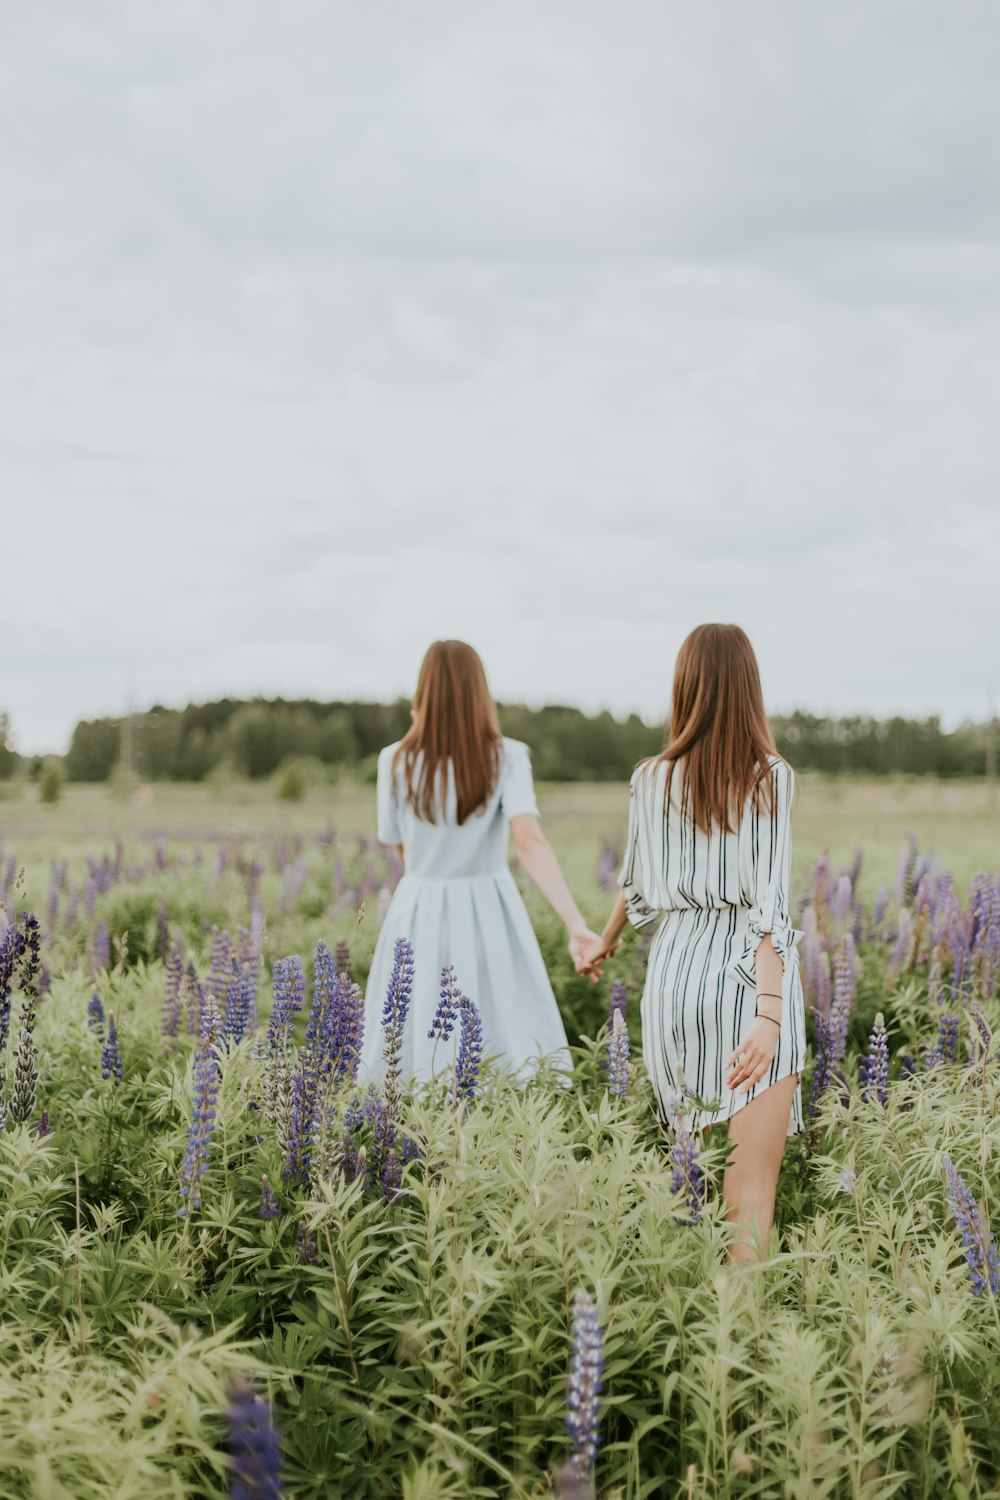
(708, 855)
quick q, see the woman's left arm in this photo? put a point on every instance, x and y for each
(537, 856)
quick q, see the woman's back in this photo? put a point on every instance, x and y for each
(447, 850)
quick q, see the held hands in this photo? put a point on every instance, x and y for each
(590, 952)
(752, 1058)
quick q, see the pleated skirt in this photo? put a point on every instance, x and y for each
(695, 1011)
(479, 925)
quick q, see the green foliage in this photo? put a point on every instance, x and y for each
(567, 744)
(50, 782)
(424, 1353)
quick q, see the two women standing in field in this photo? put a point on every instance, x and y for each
(708, 855)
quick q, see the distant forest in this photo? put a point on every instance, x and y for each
(256, 738)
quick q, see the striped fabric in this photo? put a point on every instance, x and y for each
(715, 896)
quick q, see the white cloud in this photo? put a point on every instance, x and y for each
(327, 331)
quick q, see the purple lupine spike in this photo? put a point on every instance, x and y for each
(219, 965)
(873, 1069)
(961, 979)
(947, 1037)
(254, 1447)
(394, 1012)
(585, 1383)
(342, 958)
(618, 1056)
(194, 1000)
(906, 870)
(854, 870)
(289, 988)
(43, 1128)
(25, 1082)
(237, 1022)
(95, 1013)
(982, 1037)
(200, 1131)
(446, 1013)
(687, 1177)
(470, 1050)
(269, 1207)
(979, 1244)
(102, 948)
(607, 865)
(11, 945)
(305, 1244)
(907, 1066)
(845, 989)
(815, 964)
(618, 1000)
(822, 889)
(880, 908)
(111, 1056)
(347, 1030)
(840, 907)
(171, 1023)
(301, 1120)
(902, 953)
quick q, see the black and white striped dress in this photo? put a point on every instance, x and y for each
(718, 894)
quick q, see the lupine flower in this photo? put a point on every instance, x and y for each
(823, 1069)
(583, 1393)
(842, 898)
(200, 1130)
(102, 947)
(219, 964)
(947, 1037)
(902, 953)
(171, 1023)
(905, 885)
(981, 1039)
(979, 1244)
(194, 1000)
(619, 1000)
(397, 1004)
(43, 1128)
(301, 1120)
(873, 1069)
(255, 1451)
(342, 957)
(111, 1057)
(11, 944)
(618, 1055)
(305, 1245)
(880, 908)
(607, 865)
(95, 1012)
(688, 1180)
(25, 1084)
(470, 1050)
(239, 1018)
(854, 870)
(845, 988)
(446, 1014)
(289, 997)
(269, 1208)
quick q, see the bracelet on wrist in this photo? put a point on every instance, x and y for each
(769, 995)
(762, 1016)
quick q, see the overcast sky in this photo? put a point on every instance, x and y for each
(328, 329)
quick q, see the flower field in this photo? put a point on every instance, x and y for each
(227, 1269)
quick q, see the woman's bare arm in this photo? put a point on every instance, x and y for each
(536, 855)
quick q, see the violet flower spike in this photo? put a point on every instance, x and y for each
(873, 1069)
(200, 1131)
(978, 1242)
(688, 1179)
(583, 1393)
(111, 1057)
(269, 1207)
(254, 1447)
(618, 1056)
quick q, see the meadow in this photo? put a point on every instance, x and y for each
(222, 1262)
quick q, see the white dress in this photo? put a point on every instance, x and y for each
(458, 904)
(718, 894)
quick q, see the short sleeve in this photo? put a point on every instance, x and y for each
(517, 793)
(632, 875)
(387, 829)
(765, 869)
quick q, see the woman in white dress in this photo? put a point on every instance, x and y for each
(708, 855)
(447, 796)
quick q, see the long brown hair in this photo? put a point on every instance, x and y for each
(718, 727)
(454, 719)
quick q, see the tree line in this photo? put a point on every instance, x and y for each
(255, 738)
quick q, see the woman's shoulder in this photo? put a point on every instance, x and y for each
(646, 772)
(514, 750)
(387, 753)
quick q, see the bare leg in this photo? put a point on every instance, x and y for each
(758, 1133)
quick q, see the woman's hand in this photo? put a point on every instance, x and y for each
(753, 1056)
(590, 953)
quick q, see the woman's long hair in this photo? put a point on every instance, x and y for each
(454, 720)
(719, 730)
